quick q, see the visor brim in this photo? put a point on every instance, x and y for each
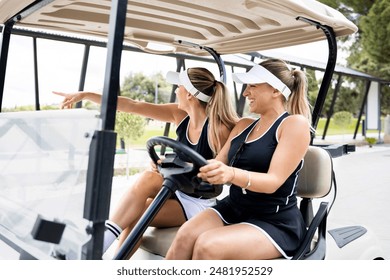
(173, 78)
(257, 75)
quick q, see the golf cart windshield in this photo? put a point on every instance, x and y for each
(44, 160)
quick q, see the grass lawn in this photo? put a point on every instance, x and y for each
(149, 133)
(336, 130)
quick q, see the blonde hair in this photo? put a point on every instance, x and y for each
(219, 109)
(296, 81)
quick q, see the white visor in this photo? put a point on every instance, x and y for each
(257, 75)
(182, 78)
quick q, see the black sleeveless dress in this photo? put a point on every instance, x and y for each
(202, 147)
(191, 203)
(276, 214)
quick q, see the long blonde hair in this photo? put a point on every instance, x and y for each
(219, 109)
(296, 81)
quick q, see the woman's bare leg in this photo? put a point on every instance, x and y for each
(132, 204)
(170, 215)
(234, 242)
(183, 245)
(138, 198)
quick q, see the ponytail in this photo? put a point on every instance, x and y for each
(296, 81)
(219, 108)
(221, 112)
(298, 102)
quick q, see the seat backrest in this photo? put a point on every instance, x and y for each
(315, 178)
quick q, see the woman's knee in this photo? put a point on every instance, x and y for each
(207, 247)
(185, 235)
(148, 181)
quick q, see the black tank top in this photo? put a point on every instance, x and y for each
(202, 147)
(256, 155)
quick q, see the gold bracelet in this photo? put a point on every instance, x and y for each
(234, 176)
(248, 184)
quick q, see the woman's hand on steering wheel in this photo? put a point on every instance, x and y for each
(216, 172)
(154, 166)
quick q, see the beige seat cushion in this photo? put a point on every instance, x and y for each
(158, 240)
(315, 178)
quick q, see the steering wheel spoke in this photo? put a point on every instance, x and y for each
(173, 164)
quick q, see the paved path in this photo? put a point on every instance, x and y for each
(363, 180)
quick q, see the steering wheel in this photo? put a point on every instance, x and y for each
(182, 167)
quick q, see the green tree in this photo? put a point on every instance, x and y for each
(349, 99)
(129, 126)
(371, 53)
(352, 9)
(153, 89)
(312, 86)
(313, 90)
(376, 31)
(342, 118)
(368, 49)
(140, 87)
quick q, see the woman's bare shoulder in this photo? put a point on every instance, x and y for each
(241, 125)
(296, 121)
(244, 122)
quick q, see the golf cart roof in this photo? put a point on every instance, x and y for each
(161, 26)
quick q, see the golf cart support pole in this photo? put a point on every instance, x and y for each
(4, 47)
(221, 65)
(102, 149)
(330, 66)
(83, 72)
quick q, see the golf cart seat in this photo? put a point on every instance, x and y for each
(314, 181)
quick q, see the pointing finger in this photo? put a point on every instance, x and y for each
(59, 93)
